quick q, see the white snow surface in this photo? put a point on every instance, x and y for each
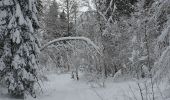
(62, 87)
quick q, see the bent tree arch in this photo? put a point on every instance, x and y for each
(87, 40)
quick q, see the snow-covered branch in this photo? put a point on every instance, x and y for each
(87, 40)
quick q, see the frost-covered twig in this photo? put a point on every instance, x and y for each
(140, 91)
(133, 92)
(146, 91)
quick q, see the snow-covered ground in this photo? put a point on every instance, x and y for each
(62, 87)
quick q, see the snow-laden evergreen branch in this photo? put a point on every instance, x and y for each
(72, 38)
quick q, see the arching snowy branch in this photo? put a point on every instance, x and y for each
(72, 38)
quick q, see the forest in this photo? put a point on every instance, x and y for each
(84, 49)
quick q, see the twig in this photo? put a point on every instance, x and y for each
(160, 92)
(140, 91)
(132, 92)
(153, 95)
(146, 91)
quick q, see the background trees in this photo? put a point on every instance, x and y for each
(127, 33)
(55, 22)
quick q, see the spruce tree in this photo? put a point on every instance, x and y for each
(55, 22)
(51, 21)
(19, 45)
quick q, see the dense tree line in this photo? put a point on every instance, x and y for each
(129, 32)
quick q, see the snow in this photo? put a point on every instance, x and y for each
(30, 4)
(20, 15)
(164, 34)
(143, 58)
(3, 14)
(8, 2)
(30, 26)
(72, 38)
(16, 37)
(62, 87)
(2, 65)
(134, 39)
(162, 66)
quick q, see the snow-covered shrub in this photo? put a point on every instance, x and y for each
(162, 50)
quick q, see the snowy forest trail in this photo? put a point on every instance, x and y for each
(63, 87)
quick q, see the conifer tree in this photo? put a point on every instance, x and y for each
(19, 45)
(51, 21)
